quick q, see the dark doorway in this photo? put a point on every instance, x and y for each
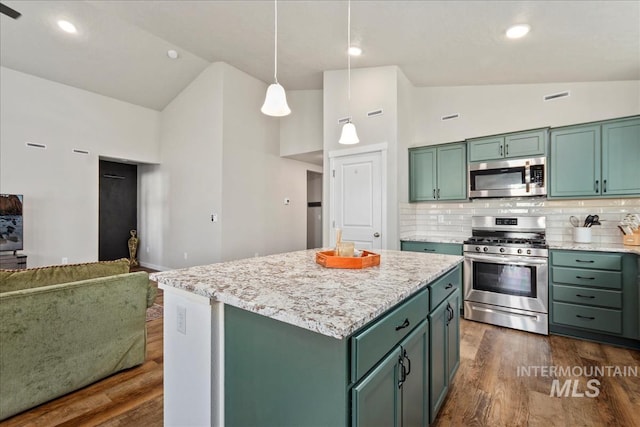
(118, 208)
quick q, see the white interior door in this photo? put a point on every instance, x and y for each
(357, 199)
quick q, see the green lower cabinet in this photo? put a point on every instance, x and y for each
(444, 328)
(594, 295)
(395, 392)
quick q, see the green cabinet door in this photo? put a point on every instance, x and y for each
(575, 161)
(415, 390)
(621, 158)
(452, 172)
(486, 148)
(422, 174)
(525, 144)
(376, 400)
(453, 335)
(438, 373)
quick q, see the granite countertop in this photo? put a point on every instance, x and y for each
(292, 288)
(431, 239)
(598, 247)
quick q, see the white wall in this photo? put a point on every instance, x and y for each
(256, 179)
(220, 155)
(301, 131)
(60, 187)
(186, 188)
(371, 89)
(489, 110)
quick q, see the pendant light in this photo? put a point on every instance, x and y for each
(275, 103)
(349, 135)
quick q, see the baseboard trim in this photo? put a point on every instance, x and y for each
(154, 267)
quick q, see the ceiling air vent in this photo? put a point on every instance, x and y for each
(375, 113)
(556, 96)
(344, 120)
(450, 117)
(79, 151)
(35, 145)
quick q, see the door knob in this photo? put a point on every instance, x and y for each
(376, 234)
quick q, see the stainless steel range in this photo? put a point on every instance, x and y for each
(506, 272)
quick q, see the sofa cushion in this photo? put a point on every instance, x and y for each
(15, 280)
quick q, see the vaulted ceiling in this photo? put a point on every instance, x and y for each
(120, 49)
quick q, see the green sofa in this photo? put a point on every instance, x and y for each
(65, 327)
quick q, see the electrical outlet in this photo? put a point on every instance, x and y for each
(65, 260)
(182, 320)
(186, 255)
(148, 249)
(440, 219)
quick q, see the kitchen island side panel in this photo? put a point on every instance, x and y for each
(277, 374)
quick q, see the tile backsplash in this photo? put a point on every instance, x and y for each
(452, 221)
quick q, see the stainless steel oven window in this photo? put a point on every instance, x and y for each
(517, 280)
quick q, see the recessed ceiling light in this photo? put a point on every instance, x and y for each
(355, 51)
(173, 54)
(518, 31)
(67, 26)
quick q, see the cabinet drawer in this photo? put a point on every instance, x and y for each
(585, 277)
(370, 345)
(598, 319)
(588, 260)
(445, 286)
(432, 247)
(587, 296)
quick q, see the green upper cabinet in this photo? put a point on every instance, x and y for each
(575, 161)
(438, 173)
(621, 157)
(422, 174)
(596, 160)
(511, 145)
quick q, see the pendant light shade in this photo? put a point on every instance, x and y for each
(275, 102)
(349, 135)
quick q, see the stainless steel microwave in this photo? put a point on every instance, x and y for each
(508, 178)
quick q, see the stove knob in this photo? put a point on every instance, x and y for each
(501, 249)
(485, 249)
(519, 251)
(477, 248)
(528, 251)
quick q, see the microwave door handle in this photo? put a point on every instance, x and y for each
(527, 177)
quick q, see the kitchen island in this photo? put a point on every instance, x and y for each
(280, 340)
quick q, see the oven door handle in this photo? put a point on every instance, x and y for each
(524, 261)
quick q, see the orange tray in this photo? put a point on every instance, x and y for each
(329, 260)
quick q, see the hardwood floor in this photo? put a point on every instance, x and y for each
(487, 390)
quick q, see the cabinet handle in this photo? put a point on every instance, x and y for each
(428, 250)
(506, 149)
(406, 357)
(597, 184)
(449, 286)
(438, 193)
(585, 317)
(588, 261)
(434, 193)
(500, 149)
(604, 186)
(403, 375)
(585, 278)
(585, 296)
(405, 324)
